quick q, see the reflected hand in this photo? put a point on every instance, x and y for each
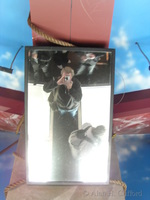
(65, 80)
(60, 81)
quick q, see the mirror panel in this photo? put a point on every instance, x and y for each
(68, 114)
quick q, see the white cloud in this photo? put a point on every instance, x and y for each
(146, 178)
(129, 78)
(133, 78)
(133, 148)
(123, 154)
(128, 145)
(129, 62)
(129, 54)
(12, 81)
(6, 56)
(19, 73)
(124, 172)
(121, 40)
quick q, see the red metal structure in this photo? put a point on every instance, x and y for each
(81, 23)
(76, 21)
(11, 109)
(131, 115)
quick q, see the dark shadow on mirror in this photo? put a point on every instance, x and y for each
(65, 168)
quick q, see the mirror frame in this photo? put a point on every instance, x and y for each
(111, 79)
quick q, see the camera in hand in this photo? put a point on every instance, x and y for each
(67, 78)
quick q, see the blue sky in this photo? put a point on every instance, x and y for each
(130, 24)
(14, 33)
(133, 154)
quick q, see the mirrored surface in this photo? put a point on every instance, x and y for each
(69, 99)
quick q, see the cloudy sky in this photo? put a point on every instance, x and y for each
(128, 27)
(130, 24)
(134, 163)
(14, 33)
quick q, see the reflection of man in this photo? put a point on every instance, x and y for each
(82, 141)
(67, 95)
(40, 64)
(88, 63)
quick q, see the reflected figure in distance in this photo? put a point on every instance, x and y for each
(66, 96)
(88, 63)
(82, 141)
(40, 65)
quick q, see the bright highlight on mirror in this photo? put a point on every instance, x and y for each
(68, 114)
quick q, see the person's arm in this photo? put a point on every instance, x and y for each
(76, 91)
(50, 85)
(52, 103)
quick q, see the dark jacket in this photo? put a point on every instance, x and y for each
(65, 99)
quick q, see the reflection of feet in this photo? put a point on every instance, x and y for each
(74, 122)
(57, 115)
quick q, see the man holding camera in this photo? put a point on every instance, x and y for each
(66, 97)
